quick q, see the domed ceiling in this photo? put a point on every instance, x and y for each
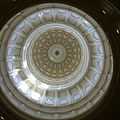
(56, 61)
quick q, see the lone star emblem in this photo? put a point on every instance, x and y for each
(57, 52)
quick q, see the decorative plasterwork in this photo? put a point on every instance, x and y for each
(56, 61)
(49, 68)
(56, 53)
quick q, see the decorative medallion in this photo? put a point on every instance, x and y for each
(56, 53)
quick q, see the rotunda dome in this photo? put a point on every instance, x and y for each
(57, 58)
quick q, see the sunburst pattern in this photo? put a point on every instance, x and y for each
(61, 68)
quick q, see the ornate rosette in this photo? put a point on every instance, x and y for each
(56, 53)
(57, 62)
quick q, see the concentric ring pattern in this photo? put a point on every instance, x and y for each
(56, 61)
(54, 56)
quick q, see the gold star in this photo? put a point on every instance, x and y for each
(57, 52)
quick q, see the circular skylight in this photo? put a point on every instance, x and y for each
(56, 61)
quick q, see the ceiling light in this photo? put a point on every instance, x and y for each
(104, 12)
(117, 31)
(2, 118)
(107, 9)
